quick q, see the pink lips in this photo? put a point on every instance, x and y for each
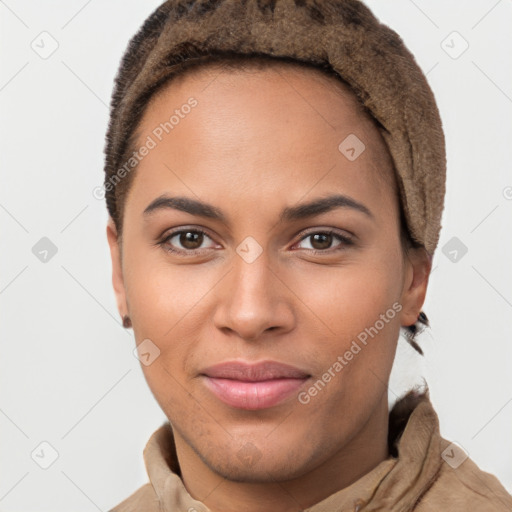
(253, 386)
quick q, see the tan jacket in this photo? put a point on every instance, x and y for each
(424, 473)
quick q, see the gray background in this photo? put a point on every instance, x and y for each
(68, 374)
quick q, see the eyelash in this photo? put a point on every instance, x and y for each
(344, 239)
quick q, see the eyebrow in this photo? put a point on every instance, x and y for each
(290, 213)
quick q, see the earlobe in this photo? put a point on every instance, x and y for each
(419, 263)
(117, 269)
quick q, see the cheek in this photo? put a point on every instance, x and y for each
(168, 305)
(350, 297)
(161, 294)
(356, 316)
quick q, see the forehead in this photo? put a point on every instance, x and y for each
(292, 83)
(268, 128)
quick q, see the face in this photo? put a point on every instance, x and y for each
(244, 267)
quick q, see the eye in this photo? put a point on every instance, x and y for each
(321, 241)
(189, 239)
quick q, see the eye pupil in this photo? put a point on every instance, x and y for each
(189, 238)
(325, 240)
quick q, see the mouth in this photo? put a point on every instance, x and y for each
(253, 386)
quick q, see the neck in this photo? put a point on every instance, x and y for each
(345, 466)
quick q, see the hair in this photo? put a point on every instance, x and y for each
(191, 59)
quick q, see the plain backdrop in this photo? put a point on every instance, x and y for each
(68, 377)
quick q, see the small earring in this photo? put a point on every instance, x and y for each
(126, 321)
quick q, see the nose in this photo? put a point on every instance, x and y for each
(253, 300)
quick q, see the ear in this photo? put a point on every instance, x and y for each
(117, 268)
(418, 264)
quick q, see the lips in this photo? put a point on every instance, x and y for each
(253, 386)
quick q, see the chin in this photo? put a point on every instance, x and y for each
(251, 464)
(259, 473)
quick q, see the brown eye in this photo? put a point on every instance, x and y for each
(185, 241)
(191, 239)
(322, 241)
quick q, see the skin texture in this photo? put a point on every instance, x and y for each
(258, 142)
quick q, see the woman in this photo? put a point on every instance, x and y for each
(275, 177)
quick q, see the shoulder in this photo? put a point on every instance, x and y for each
(143, 498)
(465, 487)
